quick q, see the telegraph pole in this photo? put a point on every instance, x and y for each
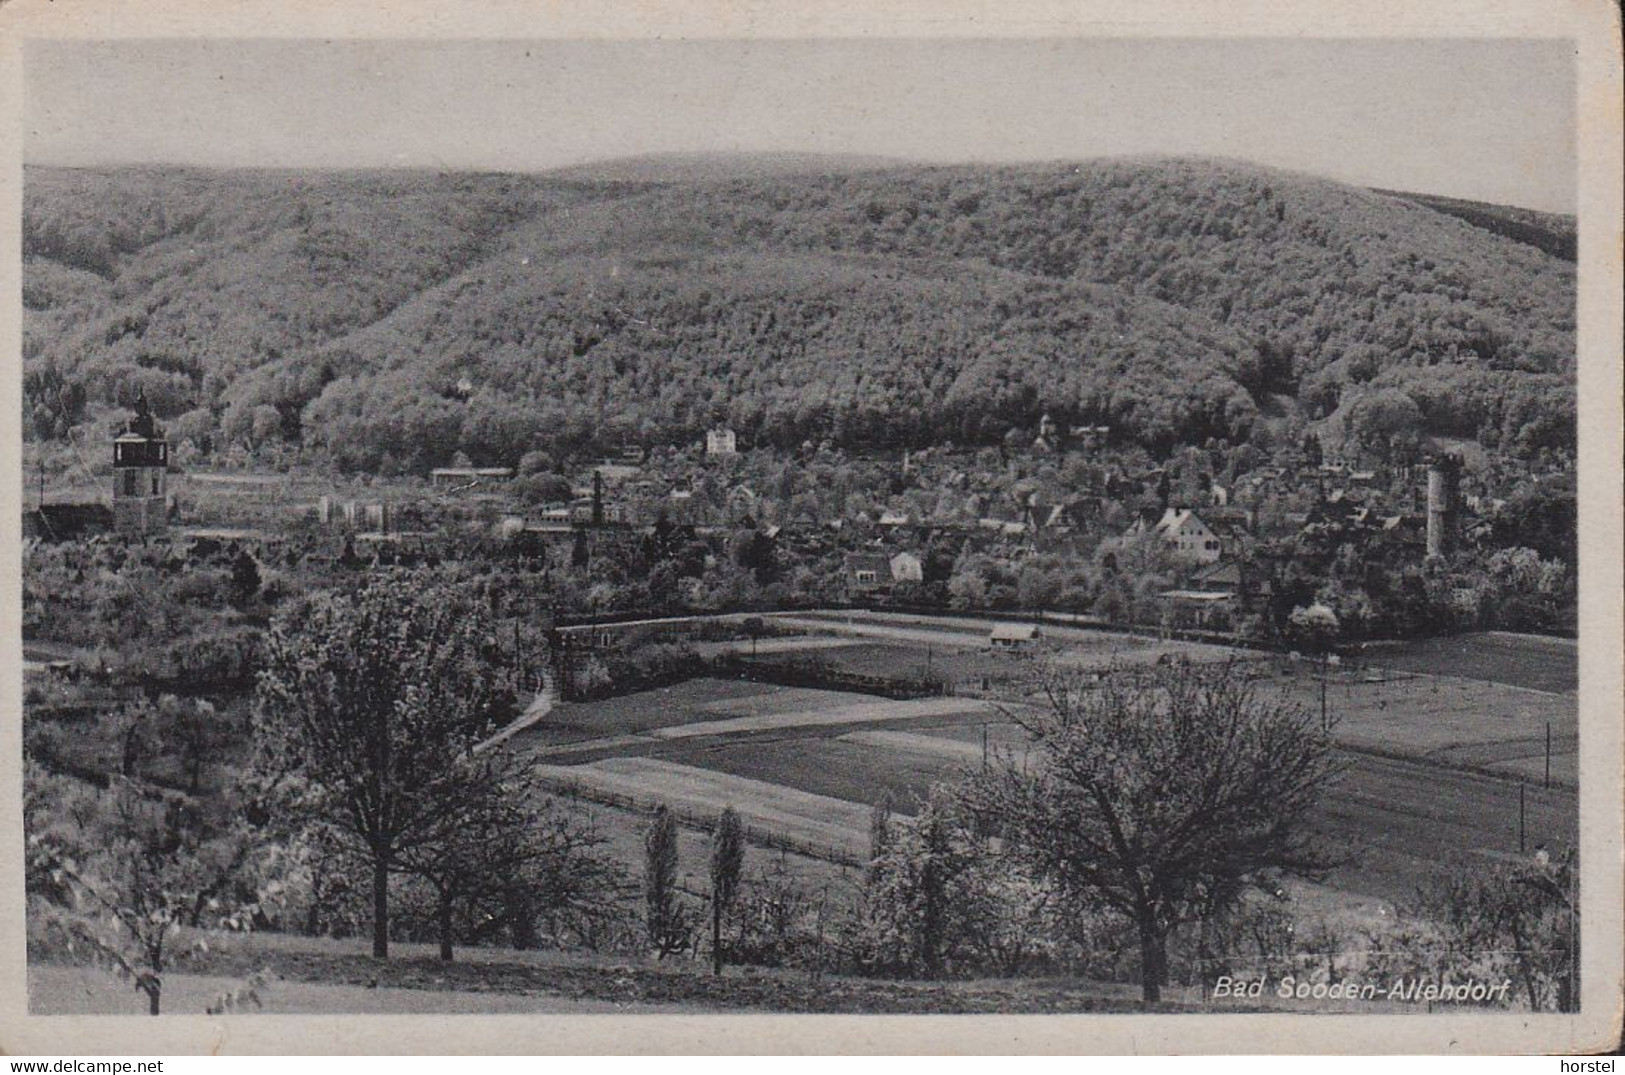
(1325, 671)
(1520, 817)
(1548, 754)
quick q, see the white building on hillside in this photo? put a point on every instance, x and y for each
(1187, 536)
(721, 441)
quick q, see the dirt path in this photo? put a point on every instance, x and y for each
(868, 711)
(539, 708)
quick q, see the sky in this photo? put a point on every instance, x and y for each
(1492, 120)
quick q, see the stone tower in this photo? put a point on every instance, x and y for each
(1444, 486)
(140, 475)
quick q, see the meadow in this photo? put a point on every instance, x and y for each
(1433, 763)
(1532, 661)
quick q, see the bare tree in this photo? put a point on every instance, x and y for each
(488, 853)
(1161, 795)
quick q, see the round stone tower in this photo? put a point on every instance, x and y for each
(1444, 486)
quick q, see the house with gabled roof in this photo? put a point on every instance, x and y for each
(867, 572)
(1184, 533)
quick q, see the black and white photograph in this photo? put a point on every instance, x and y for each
(824, 525)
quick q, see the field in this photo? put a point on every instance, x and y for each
(1466, 723)
(707, 708)
(1395, 820)
(684, 703)
(840, 769)
(1433, 761)
(906, 660)
(956, 642)
(623, 831)
(815, 820)
(1532, 661)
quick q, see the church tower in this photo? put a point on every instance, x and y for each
(140, 471)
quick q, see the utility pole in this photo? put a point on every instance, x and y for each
(1325, 671)
(1548, 754)
(1520, 817)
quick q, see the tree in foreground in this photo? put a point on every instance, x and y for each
(132, 877)
(924, 902)
(1516, 920)
(490, 851)
(1161, 795)
(665, 915)
(727, 864)
(368, 711)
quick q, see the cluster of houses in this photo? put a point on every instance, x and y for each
(1227, 557)
(1224, 559)
(1225, 554)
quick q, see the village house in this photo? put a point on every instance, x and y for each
(871, 571)
(1049, 436)
(1203, 610)
(741, 503)
(867, 573)
(1184, 533)
(680, 507)
(1089, 438)
(721, 441)
(1248, 585)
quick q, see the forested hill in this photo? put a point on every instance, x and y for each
(392, 319)
(1554, 233)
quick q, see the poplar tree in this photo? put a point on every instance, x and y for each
(665, 916)
(727, 863)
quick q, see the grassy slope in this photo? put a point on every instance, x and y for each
(587, 981)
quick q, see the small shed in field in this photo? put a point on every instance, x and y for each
(1013, 635)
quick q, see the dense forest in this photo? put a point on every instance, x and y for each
(390, 321)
